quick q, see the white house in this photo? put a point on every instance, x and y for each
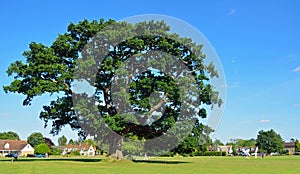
(227, 149)
(19, 147)
(84, 149)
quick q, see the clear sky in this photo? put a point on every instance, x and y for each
(258, 43)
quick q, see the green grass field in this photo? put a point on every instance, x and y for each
(163, 165)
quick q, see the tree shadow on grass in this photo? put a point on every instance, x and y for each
(159, 161)
(58, 159)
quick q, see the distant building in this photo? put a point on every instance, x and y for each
(18, 147)
(290, 146)
(84, 149)
(227, 149)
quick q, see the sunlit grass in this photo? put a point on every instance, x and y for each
(163, 165)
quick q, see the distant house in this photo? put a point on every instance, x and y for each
(227, 149)
(290, 146)
(19, 147)
(84, 149)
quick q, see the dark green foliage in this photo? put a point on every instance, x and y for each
(41, 149)
(238, 143)
(50, 70)
(56, 151)
(9, 136)
(62, 141)
(214, 153)
(75, 153)
(49, 142)
(196, 142)
(71, 141)
(218, 142)
(132, 148)
(297, 144)
(269, 141)
(35, 139)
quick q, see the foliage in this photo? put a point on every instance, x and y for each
(90, 142)
(49, 142)
(218, 142)
(56, 151)
(50, 70)
(71, 141)
(130, 147)
(297, 144)
(75, 153)
(62, 141)
(243, 143)
(197, 141)
(270, 141)
(214, 153)
(41, 149)
(9, 136)
(35, 139)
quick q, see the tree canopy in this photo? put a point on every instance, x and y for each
(41, 149)
(35, 139)
(197, 141)
(51, 70)
(297, 144)
(269, 141)
(243, 143)
(62, 141)
(9, 136)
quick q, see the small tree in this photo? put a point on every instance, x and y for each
(297, 144)
(71, 141)
(41, 149)
(49, 142)
(218, 142)
(56, 151)
(35, 139)
(62, 141)
(269, 141)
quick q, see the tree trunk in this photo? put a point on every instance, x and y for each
(115, 148)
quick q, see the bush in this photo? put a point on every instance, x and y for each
(168, 154)
(214, 153)
(56, 151)
(75, 153)
(284, 152)
(41, 149)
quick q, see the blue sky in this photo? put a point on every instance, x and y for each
(258, 43)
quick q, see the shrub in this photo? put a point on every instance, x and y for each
(75, 153)
(199, 153)
(213, 153)
(41, 149)
(56, 151)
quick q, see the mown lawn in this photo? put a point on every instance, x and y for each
(213, 165)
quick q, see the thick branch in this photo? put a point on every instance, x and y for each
(154, 108)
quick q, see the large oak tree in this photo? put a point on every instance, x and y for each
(50, 70)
